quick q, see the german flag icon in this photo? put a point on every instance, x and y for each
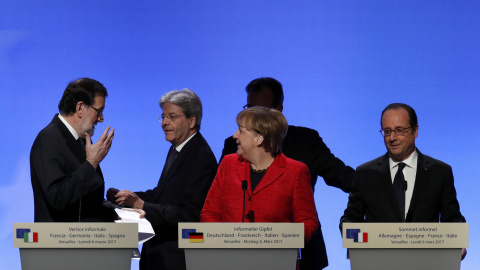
(196, 237)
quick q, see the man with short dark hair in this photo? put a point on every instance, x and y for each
(179, 196)
(65, 170)
(403, 185)
(305, 145)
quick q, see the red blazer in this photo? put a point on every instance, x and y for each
(283, 195)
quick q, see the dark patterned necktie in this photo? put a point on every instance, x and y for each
(172, 154)
(399, 189)
(82, 143)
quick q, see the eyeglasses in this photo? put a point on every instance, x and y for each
(247, 106)
(398, 131)
(98, 111)
(172, 117)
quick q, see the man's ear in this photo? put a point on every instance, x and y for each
(415, 132)
(80, 109)
(193, 121)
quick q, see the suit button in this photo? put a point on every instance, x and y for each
(249, 198)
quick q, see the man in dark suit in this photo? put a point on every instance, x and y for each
(305, 145)
(403, 185)
(66, 178)
(183, 186)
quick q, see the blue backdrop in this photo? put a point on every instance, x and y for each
(340, 62)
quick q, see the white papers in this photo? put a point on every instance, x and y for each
(145, 229)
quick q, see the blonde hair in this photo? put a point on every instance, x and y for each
(269, 123)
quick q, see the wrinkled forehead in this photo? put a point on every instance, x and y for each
(171, 108)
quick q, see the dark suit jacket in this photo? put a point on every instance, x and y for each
(434, 197)
(62, 178)
(178, 197)
(306, 145)
(283, 195)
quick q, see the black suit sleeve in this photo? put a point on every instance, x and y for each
(306, 145)
(148, 195)
(450, 208)
(59, 175)
(229, 147)
(333, 171)
(355, 211)
(183, 198)
(191, 199)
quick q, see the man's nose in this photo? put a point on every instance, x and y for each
(393, 136)
(165, 122)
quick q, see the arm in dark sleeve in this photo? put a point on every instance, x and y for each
(58, 173)
(189, 199)
(330, 168)
(229, 147)
(356, 207)
(146, 196)
(450, 209)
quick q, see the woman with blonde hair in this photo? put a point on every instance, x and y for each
(277, 188)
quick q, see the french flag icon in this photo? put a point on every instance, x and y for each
(361, 237)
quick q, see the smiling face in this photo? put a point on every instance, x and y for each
(91, 117)
(176, 125)
(247, 141)
(399, 147)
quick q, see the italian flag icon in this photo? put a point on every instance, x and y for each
(30, 237)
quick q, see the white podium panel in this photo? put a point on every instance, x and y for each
(405, 246)
(405, 259)
(238, 246)
(75, 246)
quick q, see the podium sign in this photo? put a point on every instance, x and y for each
(75, 235)
(241, 235)
(45, 246)
(405, 235)
(238, 246)
(400, 246)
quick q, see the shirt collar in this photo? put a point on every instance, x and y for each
(411, 161)
(179, 148)
(70, 128)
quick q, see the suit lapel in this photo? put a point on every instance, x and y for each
(72, 144)
(421, 179)
(165, 163)
(386, 184)
(168, 176)
(273, 173)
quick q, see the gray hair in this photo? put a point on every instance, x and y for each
(187, 100)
